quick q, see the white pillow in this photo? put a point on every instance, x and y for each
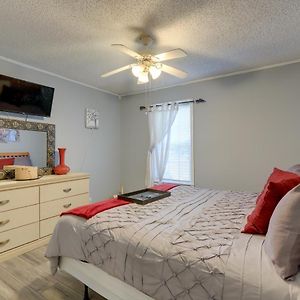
(295, 169)
(282, 243)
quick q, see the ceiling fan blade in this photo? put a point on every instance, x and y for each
(127, 51)
(116, 71)
(176, 53)
(173, 71)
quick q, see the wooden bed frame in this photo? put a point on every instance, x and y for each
(14, 154)
(99, 281)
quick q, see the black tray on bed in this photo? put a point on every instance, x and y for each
(144, 196)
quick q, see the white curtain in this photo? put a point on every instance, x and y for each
(160, 120)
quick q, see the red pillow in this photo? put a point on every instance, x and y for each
(279, 183)
(6, 162)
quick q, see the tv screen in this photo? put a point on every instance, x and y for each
(24, 97)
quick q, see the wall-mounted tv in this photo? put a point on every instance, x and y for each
(25, 97)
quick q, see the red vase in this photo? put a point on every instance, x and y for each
(62, 168)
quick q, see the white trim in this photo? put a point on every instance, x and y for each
(99, 281)
(216, 77)
(175, 182)
(57, 75)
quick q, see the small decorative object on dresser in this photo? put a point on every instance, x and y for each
(26, 173)
(62, 168)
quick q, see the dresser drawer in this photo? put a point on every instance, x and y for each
(47, 226)
(65, 189)
(18, 198)
(55, 207)
(19, 217)
(19, 236)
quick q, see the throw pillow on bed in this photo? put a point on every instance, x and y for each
(282, 242)
(278, 184)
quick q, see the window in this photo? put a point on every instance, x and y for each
(179, 167)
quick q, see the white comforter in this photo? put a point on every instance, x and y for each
(250, 274)
(187, 246)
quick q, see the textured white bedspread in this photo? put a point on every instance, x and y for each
(175, 248)
(187, 246)
(250, 274)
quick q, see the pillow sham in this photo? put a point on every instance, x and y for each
(278, 184)
(282, 243)
(6, 162)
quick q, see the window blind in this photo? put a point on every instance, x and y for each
(179, 167)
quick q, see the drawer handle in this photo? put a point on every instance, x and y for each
(4, 202)
(67, 190)
(2, 223)
(4, 243)
(67, 205)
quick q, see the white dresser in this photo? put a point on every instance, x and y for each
(29, 210)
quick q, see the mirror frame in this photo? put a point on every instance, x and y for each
(35, 126)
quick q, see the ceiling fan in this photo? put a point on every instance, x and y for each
(147, 63)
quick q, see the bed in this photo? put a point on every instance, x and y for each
(14, 154)
(186, 246)
(18, 158)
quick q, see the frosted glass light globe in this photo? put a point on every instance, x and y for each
(143, 78)
(155, 72)
(136, 70)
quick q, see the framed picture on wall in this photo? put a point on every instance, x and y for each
(91, 118)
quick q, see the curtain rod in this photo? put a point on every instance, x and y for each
(182, 102)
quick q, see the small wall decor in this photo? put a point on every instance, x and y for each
(91, 118)
(9, 135)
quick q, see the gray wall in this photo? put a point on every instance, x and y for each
(94, 151)
(249, 124)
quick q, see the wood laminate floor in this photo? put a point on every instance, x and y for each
(27, 277)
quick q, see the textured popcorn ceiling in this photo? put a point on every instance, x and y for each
(72, 37)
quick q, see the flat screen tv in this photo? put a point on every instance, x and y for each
(25, 97)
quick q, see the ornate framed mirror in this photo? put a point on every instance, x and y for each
(39, 136)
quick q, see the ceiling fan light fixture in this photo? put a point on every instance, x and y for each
(143, 78)
(155, 71)
(148, 63)
(136, 70)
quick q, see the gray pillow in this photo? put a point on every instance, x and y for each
(282, 243)
(23, 161)
(295, 169)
